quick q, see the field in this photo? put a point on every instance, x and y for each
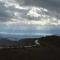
(42, 53)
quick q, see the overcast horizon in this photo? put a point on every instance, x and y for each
(30, 17)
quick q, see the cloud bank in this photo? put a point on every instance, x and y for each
(30, 16)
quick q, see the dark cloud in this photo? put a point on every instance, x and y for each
(5, 14)
(52, 5)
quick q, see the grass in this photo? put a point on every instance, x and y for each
(42, 53)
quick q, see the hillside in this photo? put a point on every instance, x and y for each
(47, 40)
(53, 41)
(49, 50)
(42, 53)
(5, 42)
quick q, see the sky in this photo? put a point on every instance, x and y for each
(30, 17)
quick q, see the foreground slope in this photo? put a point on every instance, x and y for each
(42, 53)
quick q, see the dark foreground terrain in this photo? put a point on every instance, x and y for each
(42, 53)
(49, 49)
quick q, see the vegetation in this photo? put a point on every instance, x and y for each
(49, 49)
(44, 41)
(42, 53)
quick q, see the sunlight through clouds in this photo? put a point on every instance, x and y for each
(24, 16)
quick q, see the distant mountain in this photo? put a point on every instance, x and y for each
(18, 37)
(7, 42)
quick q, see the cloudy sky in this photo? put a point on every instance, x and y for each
(30, 17)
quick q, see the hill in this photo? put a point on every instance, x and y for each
(47, 40)
(49, 50)
(5, 42)
(53, 41)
